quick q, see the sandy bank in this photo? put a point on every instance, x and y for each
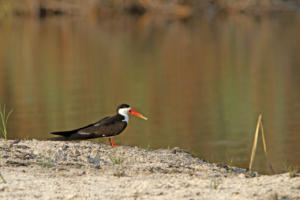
(65, 170)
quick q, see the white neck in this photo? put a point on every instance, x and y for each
(124, 112)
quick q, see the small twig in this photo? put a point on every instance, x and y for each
(259, 125)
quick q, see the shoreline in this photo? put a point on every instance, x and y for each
(35, 169)
(163, 9)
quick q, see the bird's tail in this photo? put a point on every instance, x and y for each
(64, 133)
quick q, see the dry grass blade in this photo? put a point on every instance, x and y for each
(255, 142)
(265, 147)
(9, 113)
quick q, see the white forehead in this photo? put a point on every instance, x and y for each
(124, 111)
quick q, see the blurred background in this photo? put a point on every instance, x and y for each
(202, 78)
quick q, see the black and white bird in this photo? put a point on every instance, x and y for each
(106, 127)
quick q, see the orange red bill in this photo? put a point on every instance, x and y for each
(137, 114)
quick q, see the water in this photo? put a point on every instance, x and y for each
(201, 83)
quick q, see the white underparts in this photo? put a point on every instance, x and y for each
(124, 112)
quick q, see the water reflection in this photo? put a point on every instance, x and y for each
(201, 83)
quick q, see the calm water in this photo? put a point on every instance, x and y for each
(201, 83)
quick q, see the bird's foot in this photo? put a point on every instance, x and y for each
(111, 141)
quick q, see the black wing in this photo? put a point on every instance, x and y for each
(68, 133)
(109, 127)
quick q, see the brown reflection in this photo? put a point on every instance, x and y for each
(201, 83)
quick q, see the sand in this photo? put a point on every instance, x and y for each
(35, 169)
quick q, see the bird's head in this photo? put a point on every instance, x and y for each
(125, 109)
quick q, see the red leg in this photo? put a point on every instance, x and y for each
(111, 140)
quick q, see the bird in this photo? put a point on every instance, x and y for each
(106, 127)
